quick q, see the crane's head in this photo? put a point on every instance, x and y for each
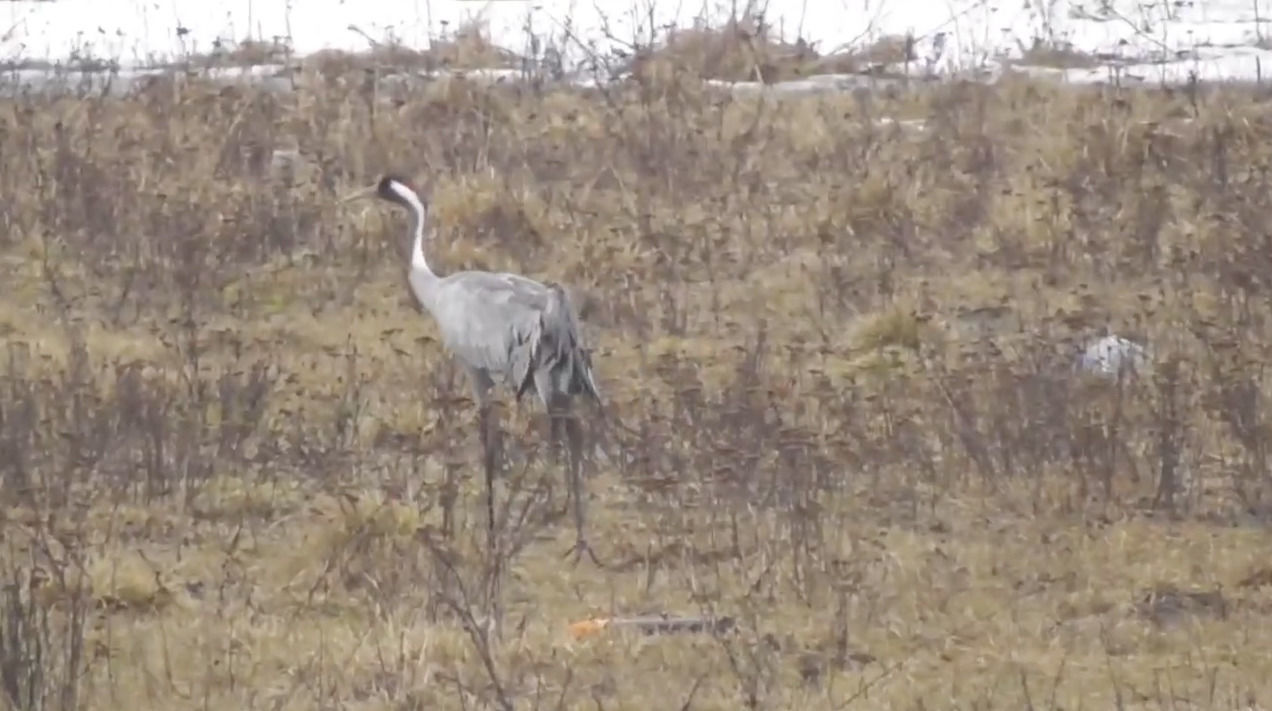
(393, 188)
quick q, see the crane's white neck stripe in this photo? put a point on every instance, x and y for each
(419, 215)
(408, 195)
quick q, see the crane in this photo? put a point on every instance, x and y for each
(503, 328)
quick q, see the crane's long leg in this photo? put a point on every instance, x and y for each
(483, 424)
(567, 421)
(551, 405)
(492, 454)
(574, 470)
(490, 445)
(554, 438)
(561, 420)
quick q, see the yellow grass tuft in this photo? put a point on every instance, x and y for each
(128, 581)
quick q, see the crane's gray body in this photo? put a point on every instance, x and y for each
(504, 328)
(508, 329)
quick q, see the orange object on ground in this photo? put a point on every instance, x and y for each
(587, 628)
(654, 624)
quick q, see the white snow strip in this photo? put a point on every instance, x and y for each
(1164, 39)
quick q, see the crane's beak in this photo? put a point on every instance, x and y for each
(359, 194)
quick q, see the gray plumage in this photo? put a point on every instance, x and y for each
(503, 328)
(511, 330)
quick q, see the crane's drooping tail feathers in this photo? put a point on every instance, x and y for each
(559, 354)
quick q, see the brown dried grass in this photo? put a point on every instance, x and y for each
(238, 470)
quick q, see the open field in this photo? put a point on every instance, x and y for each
(239, 472)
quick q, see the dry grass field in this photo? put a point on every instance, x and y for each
(238, 470)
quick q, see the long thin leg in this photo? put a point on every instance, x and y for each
(574, 482)
(554, 453)
(561, 420)
(492, 450)
(551, 405)
(487, 426)
(483, 425)
(554, 438)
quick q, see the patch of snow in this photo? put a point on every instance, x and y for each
(1111, 355)
(1238, 63)
(1161, 40)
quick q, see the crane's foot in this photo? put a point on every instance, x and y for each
(578, 549)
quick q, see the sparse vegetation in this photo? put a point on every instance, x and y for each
(1055, 55)
(745, 49)
(238, 472)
